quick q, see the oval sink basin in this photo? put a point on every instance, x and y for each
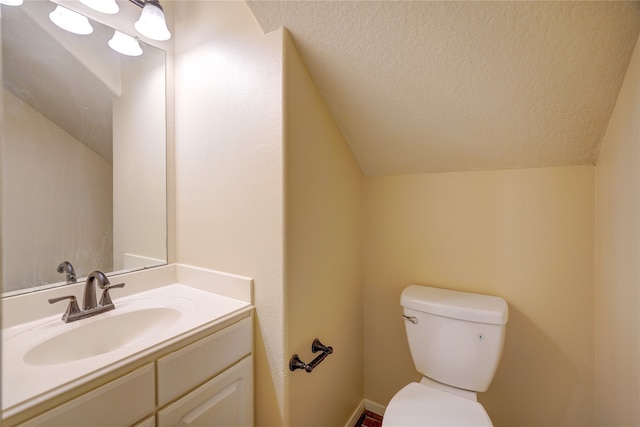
(46, 357)
(102, 335)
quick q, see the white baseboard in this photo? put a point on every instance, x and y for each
(355, 416)
(374, 407)
(368, 405)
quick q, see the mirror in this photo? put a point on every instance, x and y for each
(83, 152)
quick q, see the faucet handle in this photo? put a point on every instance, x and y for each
(106, 298)
(72, 308)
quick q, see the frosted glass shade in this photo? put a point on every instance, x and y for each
(11, 2)
(104, 6)
(125, 44)
(152, 22)
(70, 21)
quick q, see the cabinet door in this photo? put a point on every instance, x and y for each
(190, 366)
(224, 401)
(118, 403)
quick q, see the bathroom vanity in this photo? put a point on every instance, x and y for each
(177, 350)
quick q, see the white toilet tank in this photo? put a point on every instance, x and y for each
(457, 337)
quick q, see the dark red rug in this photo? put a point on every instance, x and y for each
(369, 419)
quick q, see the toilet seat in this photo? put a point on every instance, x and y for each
(418, 405)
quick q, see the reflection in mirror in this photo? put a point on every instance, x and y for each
(83, 153)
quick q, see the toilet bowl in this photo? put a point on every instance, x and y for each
(456, 341)
(421, 405)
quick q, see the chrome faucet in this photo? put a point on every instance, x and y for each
(66, 267)
(89, 305)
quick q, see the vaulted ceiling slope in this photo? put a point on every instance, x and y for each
(421, 86)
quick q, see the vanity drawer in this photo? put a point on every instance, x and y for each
(225, 400)
(190, 366)
(110, 405)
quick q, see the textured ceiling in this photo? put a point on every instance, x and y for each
(448, 86)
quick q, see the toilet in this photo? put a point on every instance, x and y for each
(456, 340)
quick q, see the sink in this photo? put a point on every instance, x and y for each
(102, 335)
(46, 357)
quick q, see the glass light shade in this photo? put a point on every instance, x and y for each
(11, 2)
(104, 6)
(125, 44)
(152, 22)
(70, 21)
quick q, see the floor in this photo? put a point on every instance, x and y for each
(369, 419)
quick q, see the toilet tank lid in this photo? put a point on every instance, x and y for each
(456, 304)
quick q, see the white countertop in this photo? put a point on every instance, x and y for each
(28, 381)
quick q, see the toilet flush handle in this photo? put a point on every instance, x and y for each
(412, 319)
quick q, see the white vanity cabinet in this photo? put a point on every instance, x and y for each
(121, 402)
(205, 381)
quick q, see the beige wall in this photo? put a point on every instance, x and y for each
(323, 254)
(283, 208)
(250, 205)
(617, 236)
(525, 235)
(46, 172)
(229, 169)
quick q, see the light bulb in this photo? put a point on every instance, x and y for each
(104, 6)
(70, 21)
(125, 44)
(152, 22)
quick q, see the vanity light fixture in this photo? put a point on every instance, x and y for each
(109, 7)
(71, 21)
(11, 2)
(152, 22)
(125, 44)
